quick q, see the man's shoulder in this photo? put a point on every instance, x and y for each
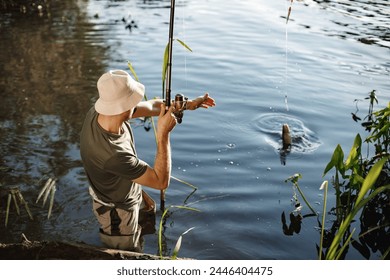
(91, 113)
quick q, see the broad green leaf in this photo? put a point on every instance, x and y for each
(371, 178)
(347, 221)
(336, 160)
(354, 153)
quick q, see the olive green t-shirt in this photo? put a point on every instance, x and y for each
(111, 162)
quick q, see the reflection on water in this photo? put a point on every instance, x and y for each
(365, 21)
(48, 73)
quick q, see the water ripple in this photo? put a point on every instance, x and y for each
(304, 140)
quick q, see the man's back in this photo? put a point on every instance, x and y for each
(110, 162)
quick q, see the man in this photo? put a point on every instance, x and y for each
(107, 149)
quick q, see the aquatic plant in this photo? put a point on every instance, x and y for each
(294, 180)
(15, 195)
(361, 184)
(324, 186)
(165, 211)
(362, 190)
(165, 61)
(48, 188)
(336, 249)
(161, 227)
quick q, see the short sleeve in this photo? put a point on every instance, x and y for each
(126, 165)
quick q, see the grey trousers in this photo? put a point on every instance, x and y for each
(120, 228)
(127, 232)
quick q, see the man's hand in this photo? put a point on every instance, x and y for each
(204, 101)
(166, 120)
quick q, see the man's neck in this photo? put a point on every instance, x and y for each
(112, 124)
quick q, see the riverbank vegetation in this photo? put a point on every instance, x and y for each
(361, 185)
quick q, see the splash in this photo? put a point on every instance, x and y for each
(303, 140)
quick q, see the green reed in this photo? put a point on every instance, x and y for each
(161, 227)
(15, 195)
(358, 181)
(49, 188)
(294, 180)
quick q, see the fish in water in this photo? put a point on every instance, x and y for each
(286, 137)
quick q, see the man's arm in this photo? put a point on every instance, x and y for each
(152, 107)
(159, 176)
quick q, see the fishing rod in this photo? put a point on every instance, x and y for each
(180, 100)
(169, 63)
(168, 78)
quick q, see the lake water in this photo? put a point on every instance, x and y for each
(262, 73)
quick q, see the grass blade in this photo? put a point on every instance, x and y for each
(23, 201)
(132, 70)
(52, 192)
(184, 45)
(165, 65)
(48, 192)
(184, 182)
(15, 201)
(325, 186)
(178, 244)
(7, 211)
(306, 201)
(47, 184)
(340, 252)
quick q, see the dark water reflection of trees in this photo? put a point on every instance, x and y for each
(48, 73)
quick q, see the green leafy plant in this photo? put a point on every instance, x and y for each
(161, 228)
(165, 61)
(362, 191)
(362, 199)
(294, 180)
(360, 183)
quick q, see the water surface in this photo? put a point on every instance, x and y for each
(251, 62)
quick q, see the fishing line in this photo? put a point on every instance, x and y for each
(286, 54)
(184, 39)
(286, 72)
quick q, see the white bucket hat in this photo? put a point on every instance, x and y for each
(118, 93)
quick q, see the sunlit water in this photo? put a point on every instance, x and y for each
(336, 53)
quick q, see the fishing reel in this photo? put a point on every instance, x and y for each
(180, 104)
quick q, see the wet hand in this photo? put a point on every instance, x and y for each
(204, 101)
